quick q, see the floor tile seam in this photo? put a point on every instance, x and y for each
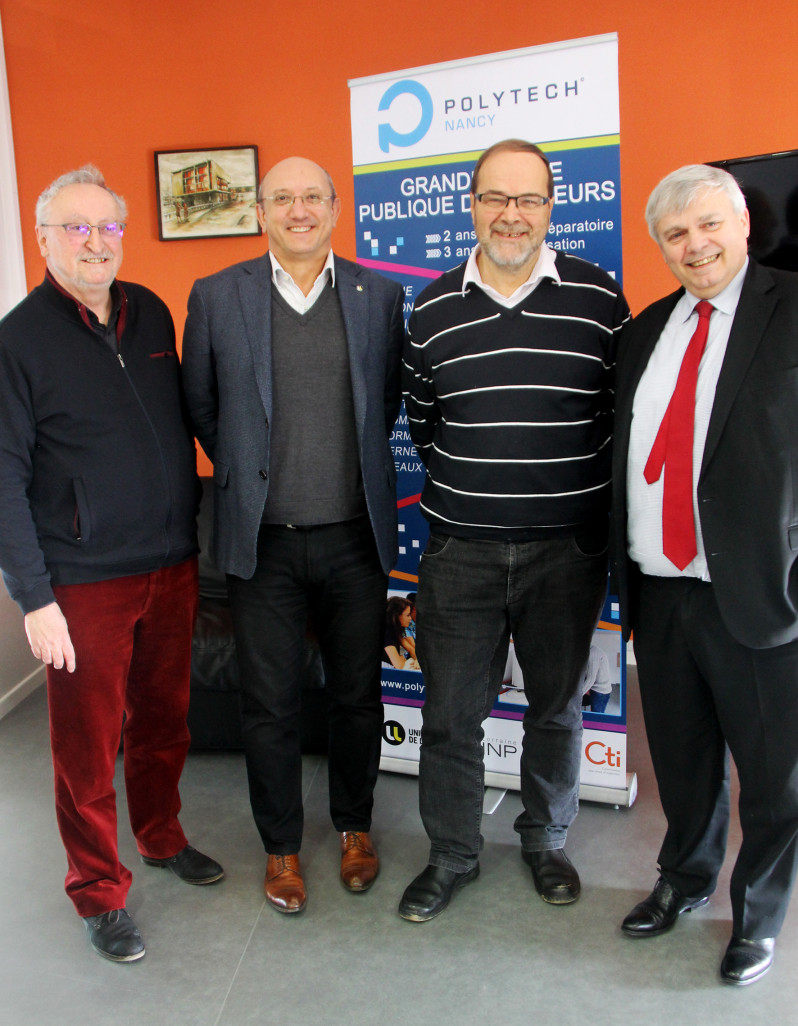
(312, 780)
(237, 969)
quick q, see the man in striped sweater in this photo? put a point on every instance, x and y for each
(508, 390)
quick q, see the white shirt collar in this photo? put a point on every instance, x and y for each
(292, 293)
(545, 267)
(725, 302)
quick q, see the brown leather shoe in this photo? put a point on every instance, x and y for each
(284, 887)
(359, 861)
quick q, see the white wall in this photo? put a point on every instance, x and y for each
(12, 266)
(20, 673)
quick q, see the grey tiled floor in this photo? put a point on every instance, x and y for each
(216, 956)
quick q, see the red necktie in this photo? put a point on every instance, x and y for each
(673, 449)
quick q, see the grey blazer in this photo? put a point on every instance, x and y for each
(748, 483)
(226, 366)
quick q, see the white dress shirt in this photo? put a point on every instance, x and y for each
(292, 293)
(644, 501)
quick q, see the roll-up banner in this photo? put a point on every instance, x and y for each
(416, 136)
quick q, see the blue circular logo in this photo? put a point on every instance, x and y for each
(387, 134)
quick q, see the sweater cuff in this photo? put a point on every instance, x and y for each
(39, 597)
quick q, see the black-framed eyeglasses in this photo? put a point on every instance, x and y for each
(527, 203)
(111, 230)
(285, 199)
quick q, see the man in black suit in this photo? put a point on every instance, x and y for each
(714, 606)
(292, 376)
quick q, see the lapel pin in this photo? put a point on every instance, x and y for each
(359, 288)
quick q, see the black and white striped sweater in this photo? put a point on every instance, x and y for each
(510, 410)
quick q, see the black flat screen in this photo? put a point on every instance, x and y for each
(770, 184)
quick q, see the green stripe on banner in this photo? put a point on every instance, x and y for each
(451, 158)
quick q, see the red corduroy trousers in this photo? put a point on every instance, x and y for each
(132, 639)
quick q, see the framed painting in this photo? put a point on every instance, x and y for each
(207, 193)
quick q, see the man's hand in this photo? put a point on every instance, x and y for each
(49, 638)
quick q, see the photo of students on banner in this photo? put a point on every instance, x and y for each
(399, 646)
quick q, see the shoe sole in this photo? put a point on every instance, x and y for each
(282, 909)
(157, 864)
(745, 983)
(639, 934)
(416, 917)
(568, 898)
(287, 911)
(358, 890)
(119, 958)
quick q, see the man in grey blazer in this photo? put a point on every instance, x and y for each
(291, 365)
(712, 596)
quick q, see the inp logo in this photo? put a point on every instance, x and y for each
(393, 732)
(387, 134)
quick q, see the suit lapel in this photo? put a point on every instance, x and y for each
(643, 347)
(353, 294)
(255, 298)
(757, 302)
(643, 335)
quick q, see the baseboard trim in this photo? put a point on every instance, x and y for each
(21, 691)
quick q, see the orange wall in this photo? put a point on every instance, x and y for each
(112, 83)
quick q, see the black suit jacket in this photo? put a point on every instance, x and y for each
(748, 483)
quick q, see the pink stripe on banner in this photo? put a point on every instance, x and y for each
(382, 265)
(617, 728)
(389, 700)
(503, 714)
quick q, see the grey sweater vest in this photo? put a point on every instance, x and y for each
(314, 469)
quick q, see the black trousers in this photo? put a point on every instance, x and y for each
(704, 694)
(331, 573)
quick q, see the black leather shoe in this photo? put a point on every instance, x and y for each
(431, 891)
(555, 876)
(190, 865)
(659, 911)
(746, 961)
(114, 935)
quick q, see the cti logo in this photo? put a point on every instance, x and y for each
(387, 134)
(393, 732)
(599, 754)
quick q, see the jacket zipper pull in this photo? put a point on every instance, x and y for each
(119, 357)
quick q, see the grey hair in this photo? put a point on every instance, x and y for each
(86, 175)
(680, 188)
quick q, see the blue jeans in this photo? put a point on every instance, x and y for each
(599, 701)
(472, 595)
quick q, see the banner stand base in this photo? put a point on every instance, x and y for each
(611, 795)
(492, 799)
(617, 796)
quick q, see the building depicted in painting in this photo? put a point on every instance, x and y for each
(201, 186)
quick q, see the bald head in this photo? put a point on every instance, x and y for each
(289, 167)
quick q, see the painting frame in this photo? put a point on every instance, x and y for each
(207, 192)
